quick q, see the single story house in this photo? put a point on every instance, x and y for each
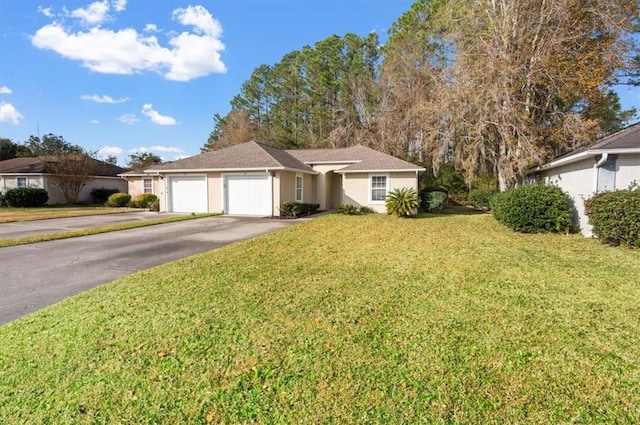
(32, 172)
(611, 163)
(254, 179)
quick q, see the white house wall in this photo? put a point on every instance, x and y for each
(628, 170)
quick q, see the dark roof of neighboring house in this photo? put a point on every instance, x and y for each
(625, 140)
(38, 165)
(249, 155)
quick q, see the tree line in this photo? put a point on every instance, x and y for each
(54, 145)
(491, 87)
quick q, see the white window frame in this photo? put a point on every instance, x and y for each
(144, 189)
(301, 197)
(371, 188)
(26, 181)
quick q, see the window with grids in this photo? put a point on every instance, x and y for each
(298, 188)
(378, 188)
(22, 182)
(147, 185)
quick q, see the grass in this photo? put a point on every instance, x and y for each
(8, 214)
(66, 234)
(344, 319)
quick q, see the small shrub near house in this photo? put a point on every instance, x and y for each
(481, 198)
(433, 199)
(402, 202)
(101, 194)
(119, 200)
(144, 200)
(348, 209)
(297, 209)
(3, 200)
(534, 209)
(615, 217)
(26, 197)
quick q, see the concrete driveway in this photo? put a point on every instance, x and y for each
(38, 275)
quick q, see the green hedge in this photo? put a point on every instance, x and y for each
(534, 209)
(101, 194)
(25, 197)
(295, 209)
(433, 199)
(144, 200)
(615, 217)
(481, 198)
(119, 200)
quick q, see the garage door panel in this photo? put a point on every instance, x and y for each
(188, 194)
(248, 195)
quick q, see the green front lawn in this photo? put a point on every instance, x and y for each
(8, 214)
(344, 319)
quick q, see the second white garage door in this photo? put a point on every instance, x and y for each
(248, 195)
(188, 194)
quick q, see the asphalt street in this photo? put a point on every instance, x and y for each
(38, 275)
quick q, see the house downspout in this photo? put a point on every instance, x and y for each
(597, 165)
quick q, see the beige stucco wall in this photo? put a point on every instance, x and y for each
(328, 185)
(356, 187)
(42, 181)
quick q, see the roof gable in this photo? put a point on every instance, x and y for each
(249, 155)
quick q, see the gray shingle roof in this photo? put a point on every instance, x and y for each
(361, 158)
(37, 165)
(249, 155)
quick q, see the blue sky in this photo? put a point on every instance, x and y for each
(125, 76)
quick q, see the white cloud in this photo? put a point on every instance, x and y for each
(119, 5)
(94, 14)
(9, 114)
(5, 90)
(142, 150)
(166, 149)
(46, 11)
(125, 51)
(150, 28)
(128, 118)
(110, 150)
(156, 118)
(103, 99)
(95, 122)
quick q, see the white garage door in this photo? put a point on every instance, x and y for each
(248, 195)
(188, 194)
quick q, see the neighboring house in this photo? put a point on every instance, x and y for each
(254, 179)
(612, 163)
(32, 172)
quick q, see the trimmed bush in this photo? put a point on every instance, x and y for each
(143, 200)
(615, 217)
(402, 202)
(101, 194)
(534, 209)
(348, 209)
(119, 200)
(295, 209)
(26, 197)
(433, 199)
(481, 198)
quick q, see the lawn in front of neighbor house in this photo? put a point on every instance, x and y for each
(344, 319)
(9, 214)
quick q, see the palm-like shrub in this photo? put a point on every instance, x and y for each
(402, 202)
